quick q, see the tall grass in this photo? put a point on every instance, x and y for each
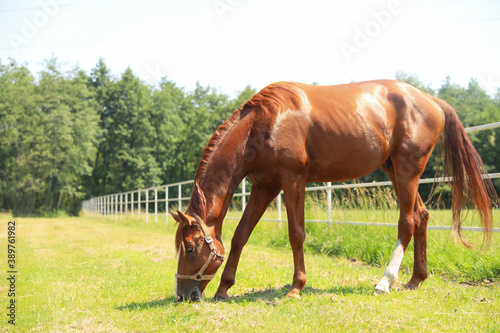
(374, 245)
(369, 204)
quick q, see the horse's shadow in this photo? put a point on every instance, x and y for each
(268, 295)
(157, 303)
(272, 294)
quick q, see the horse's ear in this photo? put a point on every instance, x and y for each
(175, 216)
(183, 217)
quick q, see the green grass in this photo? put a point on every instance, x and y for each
(374, 246)
(92, 274)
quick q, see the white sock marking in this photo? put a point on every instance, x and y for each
(391, 272)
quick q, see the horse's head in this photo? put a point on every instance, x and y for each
(200, 254)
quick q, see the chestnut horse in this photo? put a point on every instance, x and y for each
(290, 134)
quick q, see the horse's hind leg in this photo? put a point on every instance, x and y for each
(412, 221)
(420, 246)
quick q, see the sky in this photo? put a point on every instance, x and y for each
(229, 44)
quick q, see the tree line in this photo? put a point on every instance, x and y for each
(66, 136)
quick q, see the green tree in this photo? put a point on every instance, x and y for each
(202, 111)
(51, 140)
(414, 81)
(126, 160)
(459, 98)
(19, 119)
(242, 97)
(167, 104)
(101, 84)
(70, 130)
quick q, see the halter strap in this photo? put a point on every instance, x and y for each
(213, 253)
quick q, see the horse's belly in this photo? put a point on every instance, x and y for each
(344, 157)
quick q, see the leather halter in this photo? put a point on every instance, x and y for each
(213, 253)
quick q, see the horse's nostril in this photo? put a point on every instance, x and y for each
(179, 298)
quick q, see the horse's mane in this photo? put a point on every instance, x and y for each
(275, 98)
(198, 202)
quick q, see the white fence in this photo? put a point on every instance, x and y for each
(165, 197)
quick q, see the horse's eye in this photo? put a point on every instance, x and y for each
(190, 250)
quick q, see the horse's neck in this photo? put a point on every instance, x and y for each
(219, 185)
(224, 171)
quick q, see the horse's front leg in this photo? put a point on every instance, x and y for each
(260, 197)
(294, 193)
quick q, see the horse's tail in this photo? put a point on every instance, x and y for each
(470, 185)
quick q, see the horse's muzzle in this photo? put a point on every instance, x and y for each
(191, 295)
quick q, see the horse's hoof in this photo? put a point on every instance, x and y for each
(220, 298)
(410, 287)
(294, 293)
(382, 290)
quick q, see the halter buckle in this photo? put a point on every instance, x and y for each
(208, 239)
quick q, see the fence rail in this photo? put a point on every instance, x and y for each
(138, 202)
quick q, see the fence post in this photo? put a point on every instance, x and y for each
(279, 209)
(139, 203)
(329, 201)
(180, 197)
(166, 204)
(243, 195)
(156, 205)
(147, 206)
(126, 203)
(116, 206)
(132, 203)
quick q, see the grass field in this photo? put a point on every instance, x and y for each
(91, 274)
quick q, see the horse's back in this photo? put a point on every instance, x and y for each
(346, 131)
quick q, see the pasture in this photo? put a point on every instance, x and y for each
(93, 274)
